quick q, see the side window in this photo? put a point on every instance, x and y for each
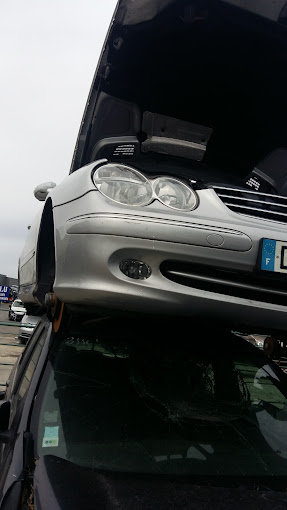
(27, 373)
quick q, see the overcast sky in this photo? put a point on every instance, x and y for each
(49, 52)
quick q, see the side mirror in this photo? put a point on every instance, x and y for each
(41, 191)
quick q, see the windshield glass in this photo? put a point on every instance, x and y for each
(130, 400)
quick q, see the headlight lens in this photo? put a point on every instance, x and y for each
(127, 186)
(123, 184)
(174, 194)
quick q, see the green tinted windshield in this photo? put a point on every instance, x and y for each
(138, 402)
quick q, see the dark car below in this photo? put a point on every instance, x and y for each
(143, 413)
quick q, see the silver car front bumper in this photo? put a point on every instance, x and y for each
(93, 247)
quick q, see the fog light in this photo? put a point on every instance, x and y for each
(135, 269)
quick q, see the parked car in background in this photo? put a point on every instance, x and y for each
(14, 291)
(27, 326)
(16, 310)
(176, 202)
(11, 296)
(153, 419)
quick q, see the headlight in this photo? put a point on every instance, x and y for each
(130, 187)
(123, 184)
(174, 194)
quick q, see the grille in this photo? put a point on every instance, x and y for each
(268, 289)
(262, 205)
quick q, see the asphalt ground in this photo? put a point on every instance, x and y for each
(10, 347)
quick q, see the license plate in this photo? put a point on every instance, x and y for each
(274, 256)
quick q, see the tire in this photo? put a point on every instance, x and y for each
(46, 255)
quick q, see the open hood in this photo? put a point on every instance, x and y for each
(198, 82)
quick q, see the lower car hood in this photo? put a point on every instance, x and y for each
(61, 485)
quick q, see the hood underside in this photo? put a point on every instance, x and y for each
(200, 83)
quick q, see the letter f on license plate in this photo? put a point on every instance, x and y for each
(274, 256)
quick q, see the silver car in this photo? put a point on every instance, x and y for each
(27, 326)
(16, 310)
(176, 202)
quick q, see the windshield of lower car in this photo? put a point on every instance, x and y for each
(174, 402)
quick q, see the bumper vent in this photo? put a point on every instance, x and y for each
(254, 286)
(252, 203)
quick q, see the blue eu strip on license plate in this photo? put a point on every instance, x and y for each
(274, 256)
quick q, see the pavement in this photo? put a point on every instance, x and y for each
(10, 347)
